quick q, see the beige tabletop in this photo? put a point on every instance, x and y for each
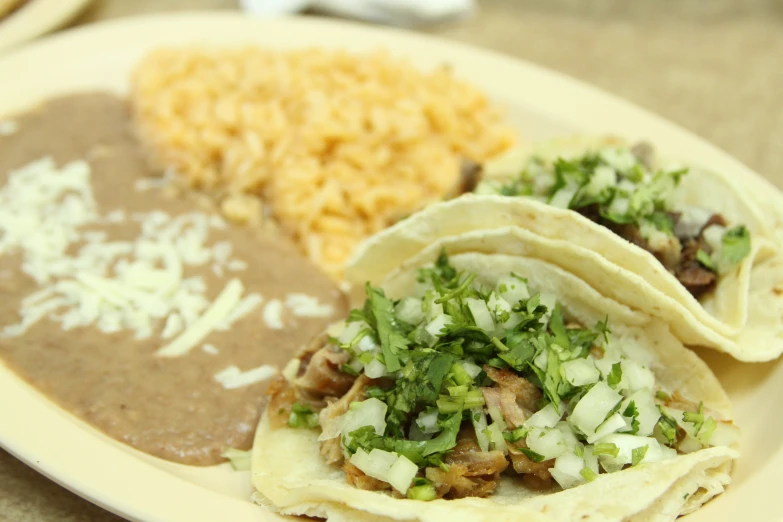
(714, 67)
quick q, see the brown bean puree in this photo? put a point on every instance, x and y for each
(170, 408)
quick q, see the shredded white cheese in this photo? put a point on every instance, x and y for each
(210, 349)
(249, 303)
(86, 279)
(219, 311)
(8, 127)
(232, 377)
(303, 305)
(273, 314)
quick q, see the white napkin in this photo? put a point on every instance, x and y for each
(392, 12)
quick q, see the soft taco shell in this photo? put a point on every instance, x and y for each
(290, 472)
(742, 317)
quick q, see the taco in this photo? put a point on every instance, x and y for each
(688, 245)
(487, 386)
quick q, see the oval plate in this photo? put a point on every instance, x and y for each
(540, 103)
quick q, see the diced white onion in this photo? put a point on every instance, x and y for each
(692, 219)
(603, 177)
(541, 359)
(636, 376)
(496, 437)
(546, 417)
(472, 369)
(351, 330)
(479, 419)
(409, 310)
(401, 474)
(713, 235)
(547, 442)
(435, 309)
(579, 372)
(562, 198)
(480, 312)
(375, 464)
(648, 413)
(619, 205)
(591, 461)
(428, 421)
(568, 470)
(626, 444)
(370, 412)
(437, 324)
(375, 369)
(568, 434)
(592, 409)
(621, 159)
(367, 344)
(614, 423)
(514, 289)
(497, 305)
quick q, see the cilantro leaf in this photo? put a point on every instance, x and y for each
(637, 454)
(615, 376)
(705, 260)
(532, 455)
(668, 427)
(632, 413)
(392, 340)
(736, 245)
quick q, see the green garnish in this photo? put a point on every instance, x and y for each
(606, 448)
(532, 455)
(422, 491)
(302, 416)
(697, 419)
(736, 245)
(637, 454)
(588, 474)
(705, 260)
(349, 370)
(616, 375)
(668, 427)
(619, 185)
(662, 396)
(515, 434)
(632, 413)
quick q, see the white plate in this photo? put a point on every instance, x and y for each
(540, 102)
(37, 17)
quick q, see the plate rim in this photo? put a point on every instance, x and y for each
(36, 18)
(678, 138)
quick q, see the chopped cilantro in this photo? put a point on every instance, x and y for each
(637, 454)
(632, 413)
(736, 245)
(662, 396)
(392, 340)
(615, 376)
(302, 416)
(349, 370)
(668, 427)
(606, 448)
(697, 419)
(588, 474)
(532, 455)
(705, 260)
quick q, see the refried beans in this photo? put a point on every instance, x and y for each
(170, 408)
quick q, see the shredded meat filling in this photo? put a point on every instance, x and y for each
(526, 394)
(678, 255)
(472, 472)
(331, 449)
(319, 370)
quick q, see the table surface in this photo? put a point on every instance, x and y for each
(714, 67)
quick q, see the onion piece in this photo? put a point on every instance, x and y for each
(437, 324)
(480, 312)
(375, 464)
(479, 419)
(512, 289)
(402, 473)
(612, 424)
(547, 442)
(409, 310)
(546, 417)
(725, 434)
(580, 372)
(592, 409)
(568, 470)
(636, 376)
(370, 412)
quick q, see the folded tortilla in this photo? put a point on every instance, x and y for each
(743, 316)
(290, 472)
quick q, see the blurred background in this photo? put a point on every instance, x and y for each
(712, 66)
